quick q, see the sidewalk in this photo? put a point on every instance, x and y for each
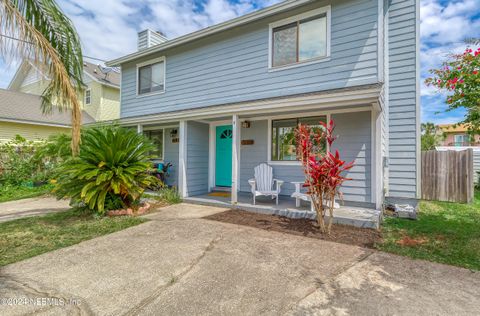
(31, 207)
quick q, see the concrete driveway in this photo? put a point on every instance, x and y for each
(31, 207)
(180, 264)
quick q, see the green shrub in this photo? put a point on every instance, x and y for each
(57, 147)
(169, 195)
(112, 169)
(22, 162)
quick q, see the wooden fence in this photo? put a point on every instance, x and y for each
(447, 175)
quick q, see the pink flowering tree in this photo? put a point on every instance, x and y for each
(324, 171)
(459, 79)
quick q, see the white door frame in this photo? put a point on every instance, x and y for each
(212, 151)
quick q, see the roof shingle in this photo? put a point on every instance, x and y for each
(27, 108)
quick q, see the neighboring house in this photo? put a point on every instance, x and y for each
(100, 99)
(224, 99)
(21, 114)
(457, 136)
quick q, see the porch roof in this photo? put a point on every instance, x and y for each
(345, 97)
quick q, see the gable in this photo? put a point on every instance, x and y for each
(32, 76)
(28, 79)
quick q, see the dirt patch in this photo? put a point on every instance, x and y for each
(407, 241)
(362, 237)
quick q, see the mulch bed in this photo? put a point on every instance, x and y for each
(362, 237)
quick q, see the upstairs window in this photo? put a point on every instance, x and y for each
(301, 38)
(88, 97)
(151, 77)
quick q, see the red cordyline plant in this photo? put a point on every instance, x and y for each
(323, 170)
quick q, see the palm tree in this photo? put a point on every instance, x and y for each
(46, 36)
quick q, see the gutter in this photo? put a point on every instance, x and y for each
(242, 20)
(9, 120)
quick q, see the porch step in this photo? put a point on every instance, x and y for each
(222, 189)
(352, 216)
(345, 215)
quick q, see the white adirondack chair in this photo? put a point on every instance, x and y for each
(264, 183)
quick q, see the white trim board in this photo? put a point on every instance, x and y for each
(417, 102)
(300, 103)
(182, 160)
(34, 123)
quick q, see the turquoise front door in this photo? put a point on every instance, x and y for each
(223, 156)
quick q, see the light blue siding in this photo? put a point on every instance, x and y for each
(233, 66)
(197, 158)
(354, 132)
(252, 155)
(171, 155)
(402, 99)
(354, 143)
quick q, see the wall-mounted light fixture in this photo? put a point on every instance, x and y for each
(246, 124)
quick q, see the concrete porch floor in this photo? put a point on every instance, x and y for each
(346, 215)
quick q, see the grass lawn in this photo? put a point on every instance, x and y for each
(444, 232)
(10, 193)
(28, 237)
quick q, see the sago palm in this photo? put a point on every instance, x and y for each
(113, 163)
(37, 30)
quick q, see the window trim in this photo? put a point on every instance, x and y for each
(327, 116)
(465, 139)
(85, 96)
(147, 63)
(293, 19)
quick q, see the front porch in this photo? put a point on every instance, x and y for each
(219, 147)
(345, 215)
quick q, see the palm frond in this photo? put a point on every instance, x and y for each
(48, 38)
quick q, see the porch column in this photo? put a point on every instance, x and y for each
(182, 160)
(235, 158)
(139, 128)
(377, 168)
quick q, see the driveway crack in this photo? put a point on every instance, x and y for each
(321, 284)
(135, 310)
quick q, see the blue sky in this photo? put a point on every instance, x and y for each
(108, 29)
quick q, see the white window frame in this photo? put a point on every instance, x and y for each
(147, 63)
(90, 97)
(148, 129)
(296, 18)
(269, 135)
(463, 137)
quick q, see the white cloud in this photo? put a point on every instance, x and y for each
(179, 17)
(450, 22)
(108, 28)
(444, 27)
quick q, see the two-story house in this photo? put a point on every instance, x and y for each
(21, 112)
(222, 100)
